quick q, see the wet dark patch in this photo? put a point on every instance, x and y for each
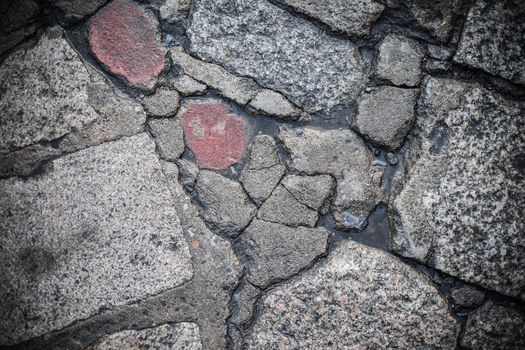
(439, 137)
(36, 261)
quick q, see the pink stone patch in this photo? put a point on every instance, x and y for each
(216, 136)
(124, 37)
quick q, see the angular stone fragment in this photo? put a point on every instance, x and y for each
(467, 296)
(223, 203)
(169, 137)
(238, 89)
(492, 39)
(460, 208)
(95, 231)
(74, 10)
(358, 298)
(163, 103)
(243, 303)
(188, 173)
(435, 16)
(386, 116)
(178, 336)
(399, 60)
(188, 86)
(274, 104)
(174, 10)
(273, 252)
(282, 52)
(124, 37)
(312, 191)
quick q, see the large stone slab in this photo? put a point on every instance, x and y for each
(95, 231)
(281, 51)
(461, 205)
(359, 298)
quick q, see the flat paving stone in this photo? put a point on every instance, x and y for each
(95, 231)
(163, 103)
(169, 137)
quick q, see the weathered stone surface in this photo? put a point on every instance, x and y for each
(18, 22)
(269, 102)
(399, 60)
(385, 116)
(467, 296)
(238, 89)
(460, 208)
(435, 16)
(124, 37)
(95, 231)
(188, 86)
(188, 173)
(74, 10)
(492, 39)
(272, 252)
(359, 297)
(178, 336)
(282, 52)
(223, 203)
(215, 135)
(312, 191)
(243, 304)
(163, 103)
(174, 10)
(494, 326)
(169, 137)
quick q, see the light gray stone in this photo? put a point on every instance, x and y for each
(223, 204)
(385, 116)
(169, 137)
(358, 298)
(273, 252)
(282, 52)
(271, 103)
(188, 173)
(97, 230)
(312, 191)
(492, 39)
(399, 60)
(178, 336)
(163, 103)
(467, 296)
(174, 10)
(188, 86)
(460, 207)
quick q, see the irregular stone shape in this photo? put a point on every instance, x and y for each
(439, 52)
(269, 102)
(358, 298)
(312, 191)
(74, 10)
(342, 154)
(238, 89)
(174, 10)
(97, 230)
(467, 296)
(169, 137)
(282, 52)
(187, 86)
(243, 304)
(216, 136)
(386, 116)
(435, 16)
(494, 327)
(223, 203)
(124, 37)
(188, 173)
(273, 252)
(492, 39)
(348, 16)
(446, 214)
(178, 336)
(399, 60)
(264, 170)
(163, 103)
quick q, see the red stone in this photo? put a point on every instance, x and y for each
(124, 37)
(216, 136)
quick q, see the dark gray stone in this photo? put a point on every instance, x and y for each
(188, 173)
(435, 16)
(169, 137)
(313, 191)
(74, 10)
(467, 296)
(18, 22)
(243, 304)
(163, 103)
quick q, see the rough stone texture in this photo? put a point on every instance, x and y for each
(163, 103)
(216, 136)
(188, 173)
(124, 37)
(399, 60)
(243, 304)
(169, 137)
(174, 10)
(238, 89)
(348, 16)
(74, 10)
(461, 206)
(223, 203)
(178, 336)
(18, 22)
(494, 326)
(492, 39)
(269, 102)
(312, 191)
(386, 116)
(273, 252)
(283, 52)
(187, 86)
(96, 231)
(358, 298)
(343, 155)
(434, 15)
(467, 296)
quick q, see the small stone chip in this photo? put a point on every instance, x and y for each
(163, 103)
(188, 86)
(274, 104)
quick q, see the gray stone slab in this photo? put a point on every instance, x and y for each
(273, 104)
(163, 103)
(188, 86)
(169, 137)
(313, 191)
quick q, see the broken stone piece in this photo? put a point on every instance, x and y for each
(243, 303)
(467, 296)
(174, 10)
(435, 16)
(163, 103)
(188, 86)
(312, 191)
(188, 173)
(169, 137)
(274, 104)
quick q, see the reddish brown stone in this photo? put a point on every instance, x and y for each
(124, 37)
(216, 136)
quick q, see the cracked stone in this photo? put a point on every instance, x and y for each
(188, 173)
(184, 335)
(174, 10)
(492, 39)
(74, 10)
(124, 37)
(400, 60)
(435, 16)
(285, 53)
(348, 300)
(163, 103)
(445, 215)
(223, 203)
(273, 252)
(271, 103)
(312, 191)
(169, 137)
(188, 86)
(243, 303)
(467, 296)
(64, 259)
(386, 116)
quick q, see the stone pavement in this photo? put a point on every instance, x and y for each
(264, 174)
